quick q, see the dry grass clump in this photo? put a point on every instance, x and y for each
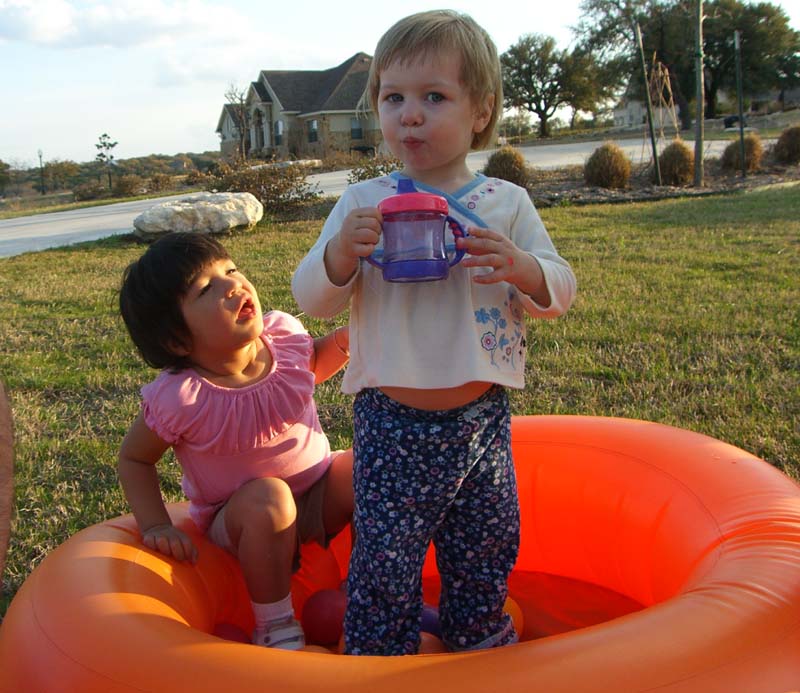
(608, 167)
(753, 153)
(509, 164)
(677, 164)
(787, 148)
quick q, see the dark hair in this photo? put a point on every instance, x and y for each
(151, 293)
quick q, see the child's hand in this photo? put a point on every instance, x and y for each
(490, 249)
(360, 232)
(508, 263)
(170, 541)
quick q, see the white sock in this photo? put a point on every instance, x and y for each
(281, 610)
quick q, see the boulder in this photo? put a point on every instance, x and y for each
(212, 212)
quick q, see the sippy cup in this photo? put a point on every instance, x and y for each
(413, 236)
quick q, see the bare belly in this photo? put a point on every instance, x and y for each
(442, 398)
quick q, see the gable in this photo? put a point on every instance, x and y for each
(226, 118)
(311, 91)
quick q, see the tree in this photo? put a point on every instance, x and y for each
(586, 86)
(514, 125)
(534, 78)
(104, 155)
(770, 49)
(59, 175)
(608, 28)
(237, 107)
(5, 176)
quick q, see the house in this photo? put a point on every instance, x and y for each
(303, 114)
(228, 129)
(632, 113)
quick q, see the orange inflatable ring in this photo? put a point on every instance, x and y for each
(652, 558)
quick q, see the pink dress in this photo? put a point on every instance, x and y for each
(225, 437)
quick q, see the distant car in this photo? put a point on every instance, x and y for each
(731, 120)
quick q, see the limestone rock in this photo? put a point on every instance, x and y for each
(215, 212)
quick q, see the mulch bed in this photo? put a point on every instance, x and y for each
(566, 186)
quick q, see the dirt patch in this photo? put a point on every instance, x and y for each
(566, 186)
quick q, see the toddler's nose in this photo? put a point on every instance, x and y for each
(411, 115)
(232, 287)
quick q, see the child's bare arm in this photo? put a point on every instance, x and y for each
(140, 451)
(331, 354)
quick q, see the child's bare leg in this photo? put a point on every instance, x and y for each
(260, 521)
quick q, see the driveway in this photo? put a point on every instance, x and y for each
(55, 229)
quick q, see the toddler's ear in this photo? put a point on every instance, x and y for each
(483, 114)
(178, 347)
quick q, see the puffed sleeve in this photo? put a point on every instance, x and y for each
(166, 402)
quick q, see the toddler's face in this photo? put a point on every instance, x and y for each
(428, 117)
(221, 309)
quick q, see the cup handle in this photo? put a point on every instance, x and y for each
(372, 260)
(458, 231)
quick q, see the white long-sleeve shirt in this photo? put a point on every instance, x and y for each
(445, 333)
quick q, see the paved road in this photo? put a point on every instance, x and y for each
(56, 229)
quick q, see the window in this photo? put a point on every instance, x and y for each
(278, 133)
(356, 131)
(313, 130)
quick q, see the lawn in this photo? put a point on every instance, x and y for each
(687, 314)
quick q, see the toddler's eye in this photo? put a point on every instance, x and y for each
(435, 97)
(232, 270)
(394, 98)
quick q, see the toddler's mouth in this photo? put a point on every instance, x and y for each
(247, 311)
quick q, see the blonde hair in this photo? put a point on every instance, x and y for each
(426, 34)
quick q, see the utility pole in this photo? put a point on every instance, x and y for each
(738, 48)
(700, 98)
(41, 174)
(649, 105)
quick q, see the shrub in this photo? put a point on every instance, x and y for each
(753, 151)
(159, 182)
(195, 178)
(277, 187)
(608, 167)
(787, 148)
(508, 164)
(677, 164)
(93, 190)
(339, 161)
(381, 165)
(128, 185)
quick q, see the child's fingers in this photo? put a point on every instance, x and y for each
(483, 241)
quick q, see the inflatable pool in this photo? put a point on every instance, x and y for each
(652, 558)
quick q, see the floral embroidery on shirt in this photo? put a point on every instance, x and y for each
(487, 188)
(504, 339)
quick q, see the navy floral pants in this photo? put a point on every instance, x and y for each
(422, 476)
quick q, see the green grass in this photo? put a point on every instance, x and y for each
(687, 314)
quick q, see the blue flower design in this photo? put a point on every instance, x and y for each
(504, 341)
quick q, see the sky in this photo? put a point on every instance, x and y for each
(152, 74)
